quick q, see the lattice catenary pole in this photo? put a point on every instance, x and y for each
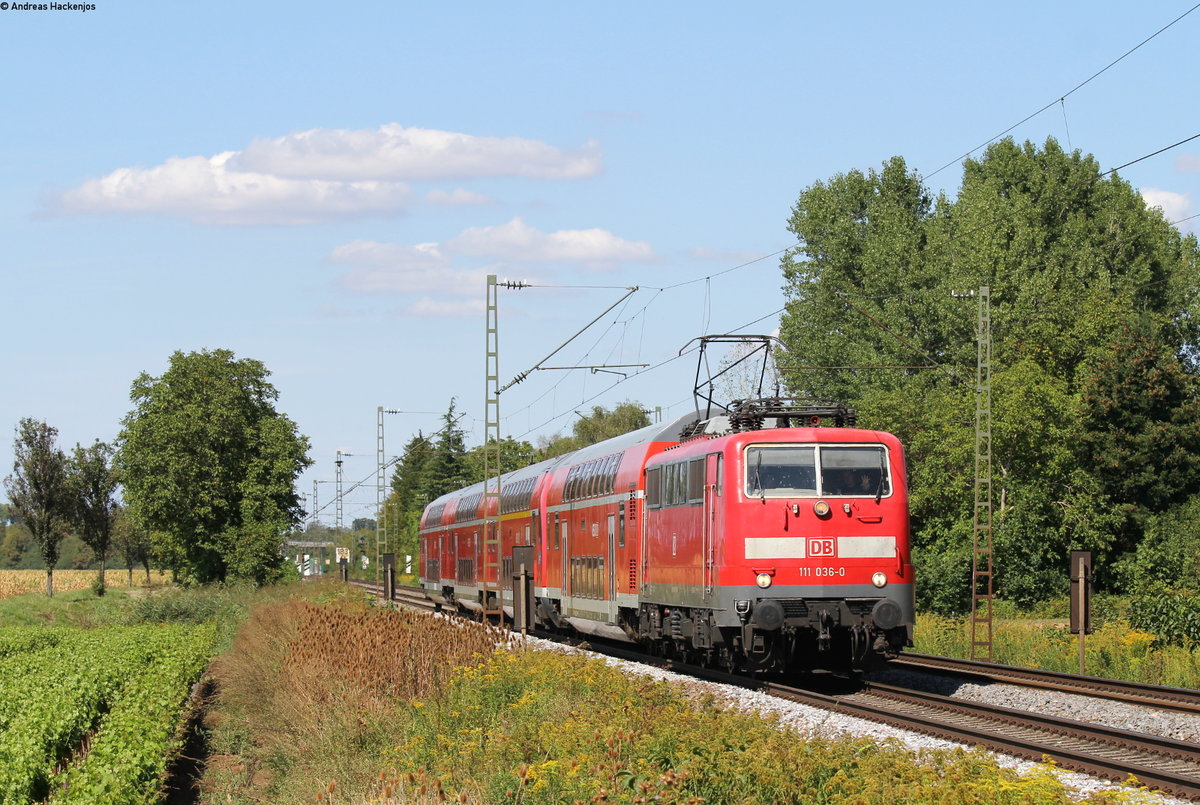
(492, 603)
(982, 565)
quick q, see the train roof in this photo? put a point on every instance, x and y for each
(670, 432)
(652, 433)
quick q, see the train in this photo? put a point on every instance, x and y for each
(771, 538)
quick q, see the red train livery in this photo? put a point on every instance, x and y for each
(740, 541)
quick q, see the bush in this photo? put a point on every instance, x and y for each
(1170, 614)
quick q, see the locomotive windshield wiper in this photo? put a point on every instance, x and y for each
(882, 475)
(762, 493)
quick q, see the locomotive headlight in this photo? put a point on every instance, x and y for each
(879, 579)
(763, 580)
(821, 508)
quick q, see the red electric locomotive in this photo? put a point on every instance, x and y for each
(740, 540)
(769, 546)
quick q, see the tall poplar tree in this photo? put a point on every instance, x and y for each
(37, 490)
(92, 481)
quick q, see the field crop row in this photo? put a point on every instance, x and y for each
(90, 715)
(20, 582)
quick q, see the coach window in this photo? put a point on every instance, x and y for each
(593, 477)
(621, 528)
(589, 476)
(557, 544)
(654, 488)
(696, 480)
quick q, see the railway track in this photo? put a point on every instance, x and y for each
(406, 595)
(1163, 764)
(1175, 699)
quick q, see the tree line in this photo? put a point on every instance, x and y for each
(204, 464)
(1094, 334)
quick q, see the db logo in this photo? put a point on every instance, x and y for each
(820, 547)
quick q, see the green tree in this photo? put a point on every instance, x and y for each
(209, 466)
(1140, 414)
(92, 481)
(1070, 255)
(14, 546)
(513, 456)
(37, 490)
(447, 468)
(409, 478)
(132, 542)
(598, 425)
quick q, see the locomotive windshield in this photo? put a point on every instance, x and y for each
(774, 471)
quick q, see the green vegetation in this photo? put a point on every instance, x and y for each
(343, 703)
(121, 690)
(1118, 648)
(93, 689)
(92, 482)
(37, 490)
(1096, 415)
(209, 467)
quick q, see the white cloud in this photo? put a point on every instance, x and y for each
(457, 197)
(1189, 163)
(394, 268)
(441, 308)
(398, 153)
(1174, 205)
(429, 268)
(393, 255)
(206, 190)
(323, 174)
(517, 241)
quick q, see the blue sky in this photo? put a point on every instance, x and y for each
(323, 186)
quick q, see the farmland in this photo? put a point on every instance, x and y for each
(20, 582)
(94, 691)
(90, 715)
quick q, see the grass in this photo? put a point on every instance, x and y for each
(81, 608)
(334, 701)
(1115, 649)
(224, 605)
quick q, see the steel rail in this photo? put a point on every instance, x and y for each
(1077, 746)
(1177, 699)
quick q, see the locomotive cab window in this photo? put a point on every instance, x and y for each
(855, 471)
(781, 471)
(774, 471)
